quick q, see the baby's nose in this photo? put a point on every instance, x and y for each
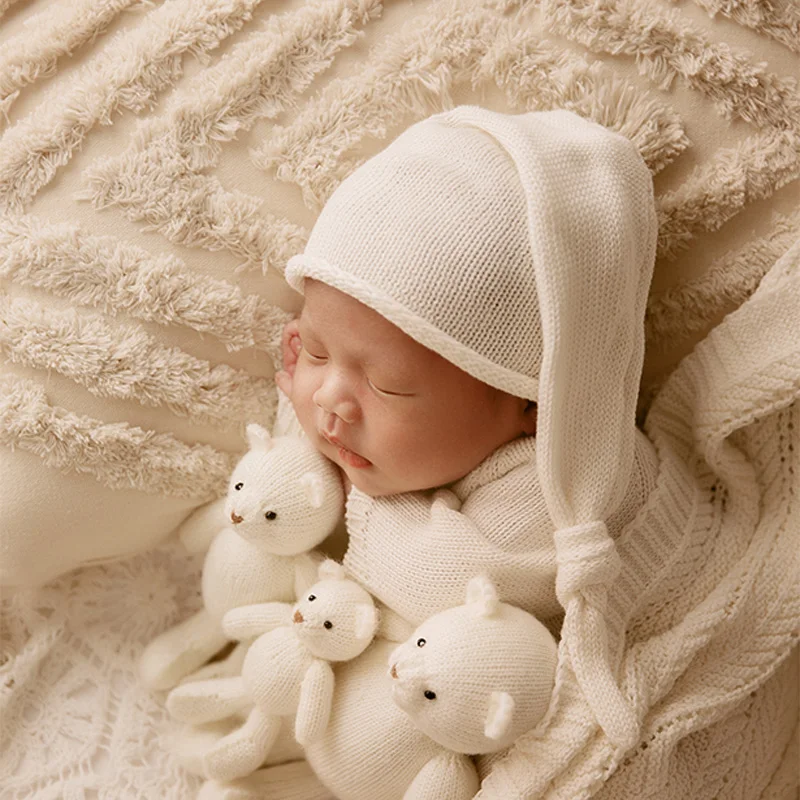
(335, 399)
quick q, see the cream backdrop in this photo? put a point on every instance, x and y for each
(159, 160)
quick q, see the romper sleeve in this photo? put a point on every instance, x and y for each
(416, 552)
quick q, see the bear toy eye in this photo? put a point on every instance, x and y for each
(238, 486)
(312, 598)
(270, 515)
(328, 624)
(429, 695)
(421, 643)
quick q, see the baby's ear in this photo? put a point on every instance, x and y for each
(482, 594)
(258, 437)
(499, 716)
(314, 488)
(366, 621)
(330, 570)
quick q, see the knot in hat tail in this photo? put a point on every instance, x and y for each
(586, 557)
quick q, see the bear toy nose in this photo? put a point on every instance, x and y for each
(298, 617)
(235, 518)
(394, 670)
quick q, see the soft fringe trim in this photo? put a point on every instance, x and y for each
(127, 74)
(120, 278)
(721, 188)
(731, 279)
(410, 72)
(400, 79)
(195, 210)
(33, 54)
(666, 47)
(780, 22)
(536, 75)
(117, 455)
(260, 77)
(124, 362)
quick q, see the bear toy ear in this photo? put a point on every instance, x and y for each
(330, 570)
(499, 716)
(482, 594)
(314, 488)
(258, 437)
(366, 622)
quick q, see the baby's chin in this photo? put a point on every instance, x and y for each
(370, 481)
(375, 484)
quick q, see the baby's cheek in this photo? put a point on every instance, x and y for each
(302, 398)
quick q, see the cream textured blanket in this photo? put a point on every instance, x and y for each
(159, 159)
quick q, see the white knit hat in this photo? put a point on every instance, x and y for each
(521, 248)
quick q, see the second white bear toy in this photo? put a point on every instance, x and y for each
(472, 678)
(286, 670)
(284, 498)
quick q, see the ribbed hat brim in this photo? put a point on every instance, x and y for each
(303, 266)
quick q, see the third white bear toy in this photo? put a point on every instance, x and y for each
(473, 678)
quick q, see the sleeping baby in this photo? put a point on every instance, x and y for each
(482, 277)
(468, 354)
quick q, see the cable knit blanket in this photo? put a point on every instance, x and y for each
(159, 159)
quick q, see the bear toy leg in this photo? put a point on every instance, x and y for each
(190, 744)
(180, 650)
(207, 701)
(242, 752)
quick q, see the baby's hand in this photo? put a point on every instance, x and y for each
(290, 347)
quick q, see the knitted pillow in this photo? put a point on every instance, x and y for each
(147, 199)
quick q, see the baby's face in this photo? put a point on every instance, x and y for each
(410, 419)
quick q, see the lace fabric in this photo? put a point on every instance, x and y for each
(76, 723)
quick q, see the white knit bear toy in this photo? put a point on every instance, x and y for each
(284, 498)
(286, 670)
(472, 678)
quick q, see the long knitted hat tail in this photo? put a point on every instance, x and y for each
(592, 226)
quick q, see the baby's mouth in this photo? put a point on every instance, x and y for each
(349, 456)
(353, 459)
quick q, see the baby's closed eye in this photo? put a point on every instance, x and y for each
(316, 359)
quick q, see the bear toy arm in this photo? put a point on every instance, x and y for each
(447, 776)
(316, 697)
(247, 622)
(202, 525)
